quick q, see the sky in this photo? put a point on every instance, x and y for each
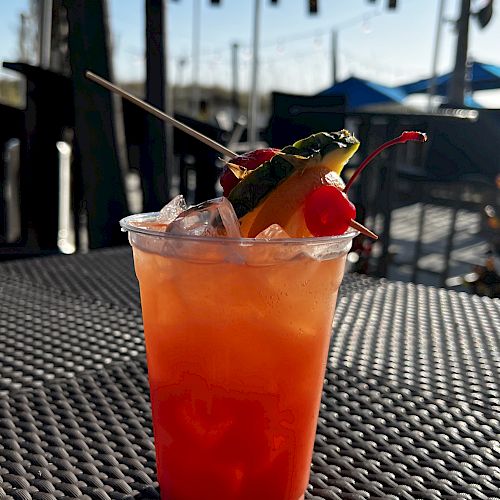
(387, 46)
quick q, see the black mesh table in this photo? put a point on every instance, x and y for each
(410, 409)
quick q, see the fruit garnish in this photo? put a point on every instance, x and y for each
(322, 143)
(284, 205)
(328, 211)
(302, 166)
(300, 189)
(238, 167)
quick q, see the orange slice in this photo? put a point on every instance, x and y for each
(284, 204)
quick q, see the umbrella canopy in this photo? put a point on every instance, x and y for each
(471, 102)
(481, 76)
(360, 93)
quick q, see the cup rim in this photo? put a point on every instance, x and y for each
(127, 225)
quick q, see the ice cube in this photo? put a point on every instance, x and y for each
(172, 209)
(211, 218)
(274, 231)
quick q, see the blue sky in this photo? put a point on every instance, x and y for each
(390, 47)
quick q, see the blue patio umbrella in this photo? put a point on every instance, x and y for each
(471, 102)
(360, 93)
(481, 77)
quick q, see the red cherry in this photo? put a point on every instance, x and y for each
(250, 161)
(328, 211)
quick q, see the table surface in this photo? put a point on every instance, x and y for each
(410, 409)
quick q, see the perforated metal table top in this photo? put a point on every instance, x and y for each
(105, 275)
(411, 405)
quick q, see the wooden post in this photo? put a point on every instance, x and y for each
(99, 136)
(153, 156)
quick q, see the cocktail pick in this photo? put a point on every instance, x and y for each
(362, 229)
(160, 114)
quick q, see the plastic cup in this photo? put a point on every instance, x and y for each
(237, 336)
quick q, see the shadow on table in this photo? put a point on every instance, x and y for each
(147, 494)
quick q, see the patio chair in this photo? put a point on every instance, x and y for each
(296, 116)
(471, 194)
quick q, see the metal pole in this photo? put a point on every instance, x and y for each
(457, 83)
(195, 86)
(437, 43)
(252, 105)
(235, 97)
(169, 102)
(65, 233)
(12, 190)
(334, 56)
(22, 38)
(179, 82)
(45, 33)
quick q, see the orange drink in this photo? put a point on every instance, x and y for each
(237, 334)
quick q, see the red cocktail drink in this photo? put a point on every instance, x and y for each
(237, 336)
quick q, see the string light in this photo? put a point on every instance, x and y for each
(314, 58)
(318, 42)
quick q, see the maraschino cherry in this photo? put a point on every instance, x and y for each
(328, 211)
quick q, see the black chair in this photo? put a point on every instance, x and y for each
(47, 113)
(296, 116)
(11, 129)
(472, 193)
(195, 171)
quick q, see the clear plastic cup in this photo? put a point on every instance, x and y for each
(237, 335)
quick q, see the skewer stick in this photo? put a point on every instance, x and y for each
(160, 114)
(362, 229)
